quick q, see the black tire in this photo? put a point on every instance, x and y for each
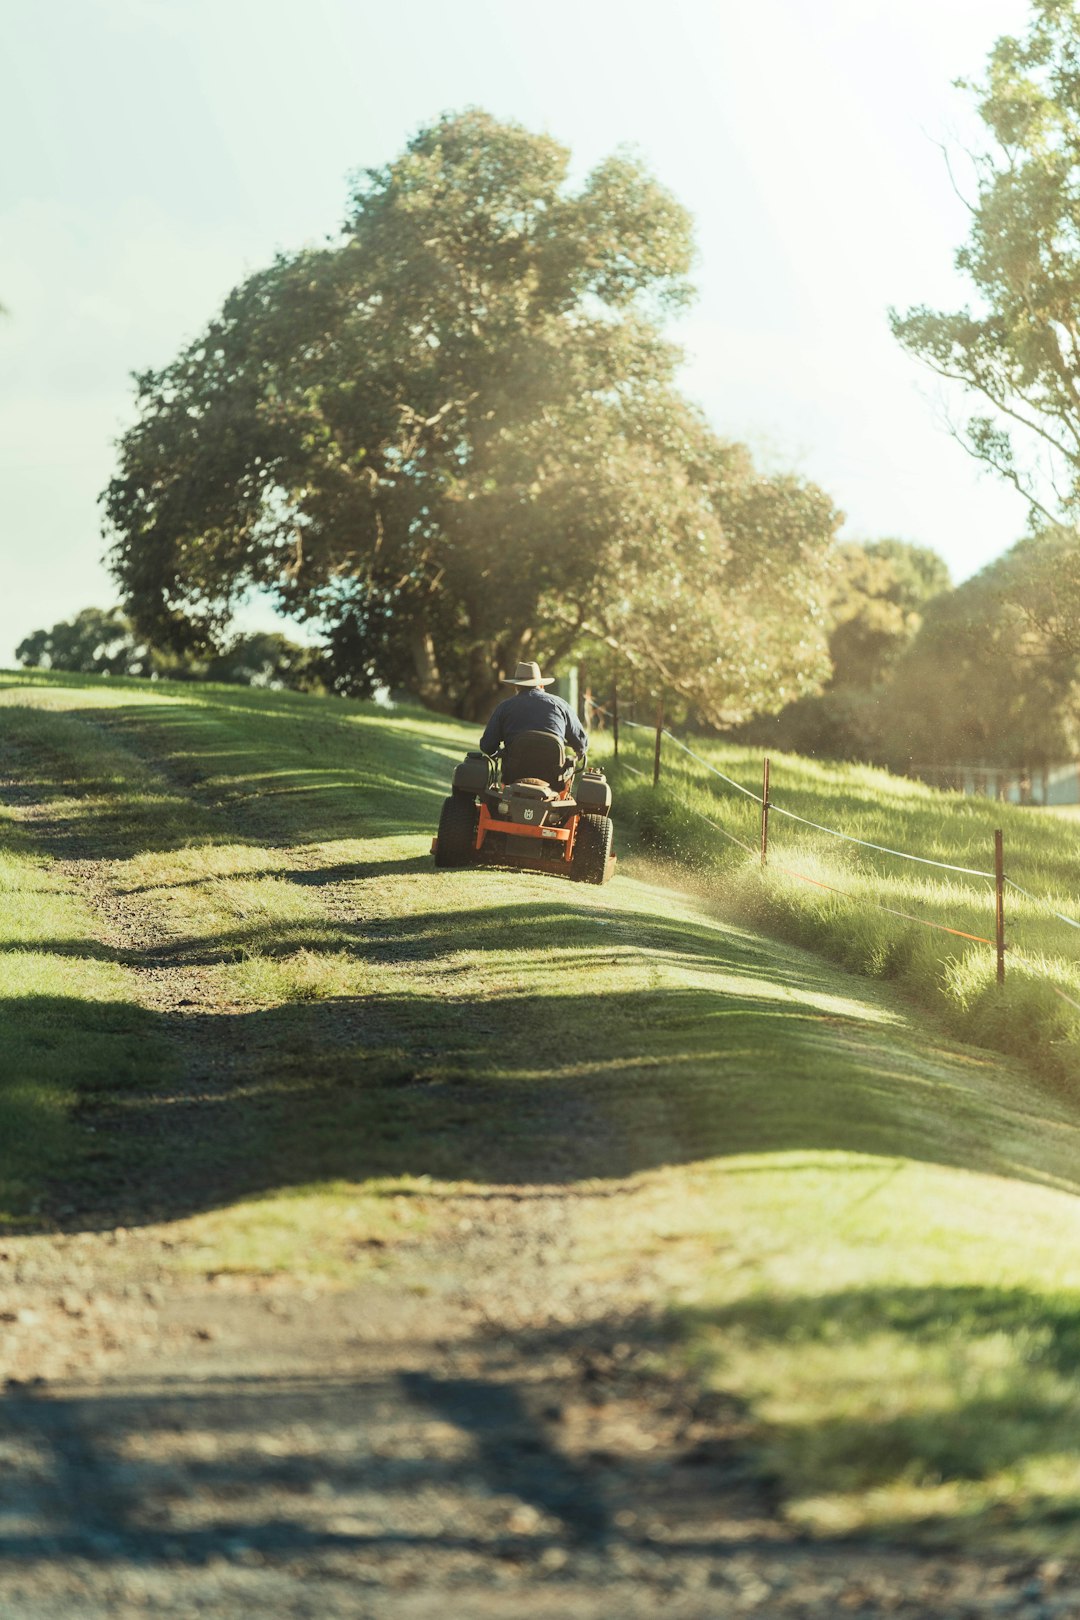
(592, 848)
(456, 843)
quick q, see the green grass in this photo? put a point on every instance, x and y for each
(954, 977)
(859, 1229)
(904, 1336)
(67, 1029)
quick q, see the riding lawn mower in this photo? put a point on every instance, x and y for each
(522, 809)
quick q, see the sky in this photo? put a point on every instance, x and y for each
(158, 151)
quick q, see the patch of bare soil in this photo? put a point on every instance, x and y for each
(470, 1434)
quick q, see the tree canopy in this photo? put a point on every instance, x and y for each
(879, 592)
(1019, 347)
(981, 683)
(876, 606)
(453, 440)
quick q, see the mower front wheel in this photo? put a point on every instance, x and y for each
(592, 849)
(456, 841)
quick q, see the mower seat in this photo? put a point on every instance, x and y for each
(536, 754)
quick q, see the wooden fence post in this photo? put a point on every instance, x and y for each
(999, 903)
(659, 734)
(765, 812)
(615, 715)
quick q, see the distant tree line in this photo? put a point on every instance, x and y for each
(105, 642)
(928, 675)
(922, 673)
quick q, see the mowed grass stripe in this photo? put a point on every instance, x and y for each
(848, 1222)
(69, 1026)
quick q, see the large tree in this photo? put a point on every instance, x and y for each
(453, 439)
(1018, 347)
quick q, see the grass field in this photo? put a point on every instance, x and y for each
(953, 976)
(66, 1026)
(862, 1232)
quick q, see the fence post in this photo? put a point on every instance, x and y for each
(999, 903)
(615, 715)
(765, 812)
(659, 734)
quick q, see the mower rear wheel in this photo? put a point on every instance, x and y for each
(592, 849)
(456, 842)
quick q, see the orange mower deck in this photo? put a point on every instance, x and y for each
(524, 859)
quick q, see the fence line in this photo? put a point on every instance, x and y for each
(922, 860)
(980, 939)
(901, 854)
(803, 877)
(639, 725)
(692, 808)
(1039, 901)
(833, 832)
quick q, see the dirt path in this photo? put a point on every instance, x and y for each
(237, 1447)
(478, 1432)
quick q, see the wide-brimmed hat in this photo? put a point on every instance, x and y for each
(527, 675)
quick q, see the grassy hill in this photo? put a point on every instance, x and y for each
(240, 1000)
(867, 909)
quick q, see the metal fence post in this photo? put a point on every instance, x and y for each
(999, 903)
(659, 734)
(765, 812)
(615, 715)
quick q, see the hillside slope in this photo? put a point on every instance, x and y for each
(262, 1032)
(884, 875)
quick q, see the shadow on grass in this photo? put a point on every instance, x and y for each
(995, 1391)
(564, 1083)
(933, 1315)
(526, 1090)
(561, 931)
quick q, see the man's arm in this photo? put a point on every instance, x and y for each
(576, 734)
(492, 737)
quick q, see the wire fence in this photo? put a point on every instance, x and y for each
(997, 878)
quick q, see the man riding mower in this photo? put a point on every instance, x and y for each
(513, 800)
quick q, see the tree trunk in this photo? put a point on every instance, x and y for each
(484, 688)
(489, 661)
(428, 685)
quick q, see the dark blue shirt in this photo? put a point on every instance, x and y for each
(533, 710)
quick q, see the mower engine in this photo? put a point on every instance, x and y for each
(528, 803)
